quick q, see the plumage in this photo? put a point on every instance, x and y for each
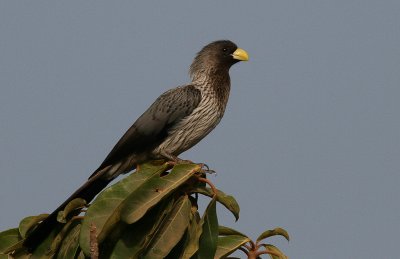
(151, 128)
(175, 122)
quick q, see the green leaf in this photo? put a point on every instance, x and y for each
(122, 243)
(171, 231)
(225, 231)
(275, 250)
(189, 244)
(105, 210)
(60, 237)
(177, 251)
(194, 232)
(132, 246)
(152, 191)
(228, 244)
(228, 201)
(8, 239)
(70, 244)
(75, 204)
(274, 232)
(209, 237)
(21, 253)
(29, 222)
(81, 255)
(43, 251)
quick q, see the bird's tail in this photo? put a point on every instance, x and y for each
(87, 192)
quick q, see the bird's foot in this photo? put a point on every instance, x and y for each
(206, 169)
(183, 161)
(174, 160)
(178, 161)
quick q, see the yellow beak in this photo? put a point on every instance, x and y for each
(240, 54)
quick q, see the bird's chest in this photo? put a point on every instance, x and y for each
(194, 127)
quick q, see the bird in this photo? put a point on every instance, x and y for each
(176, 121)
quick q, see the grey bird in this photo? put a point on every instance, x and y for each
(175, 122)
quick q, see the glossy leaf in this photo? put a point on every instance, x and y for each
(189, 244)
(65, 231)
(29, 222)
(209, 236)
(81, 255)
(75, 204)
(8, 239)
(70, 244)
(105, 210)
(194, 233)
(43, 251)
(130, 242)
(274, 232)
(171, 231)
(225, 231)
(178, 250)
(276, 253)
(20, 253)
(152, 191)
(228, 244)
(227, 201)
(131, 246)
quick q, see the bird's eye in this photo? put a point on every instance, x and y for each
(224, 49)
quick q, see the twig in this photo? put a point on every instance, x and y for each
(205, 180)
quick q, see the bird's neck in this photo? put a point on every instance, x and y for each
(207, 76)
(215, 82)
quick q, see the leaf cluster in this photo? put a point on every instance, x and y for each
(152, 213)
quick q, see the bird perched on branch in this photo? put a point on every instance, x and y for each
(175, 122)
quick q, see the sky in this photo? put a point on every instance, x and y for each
(310, 140)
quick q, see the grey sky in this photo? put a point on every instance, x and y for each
(310, 140)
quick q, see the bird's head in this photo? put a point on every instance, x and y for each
(218, 55)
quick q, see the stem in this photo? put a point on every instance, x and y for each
(252, 255)
(253, 246)
(213, 188)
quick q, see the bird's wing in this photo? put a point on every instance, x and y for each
(151, 128)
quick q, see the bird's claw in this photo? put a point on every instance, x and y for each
(205, 166)
(206, 169)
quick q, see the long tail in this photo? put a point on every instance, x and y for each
(87, 192)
